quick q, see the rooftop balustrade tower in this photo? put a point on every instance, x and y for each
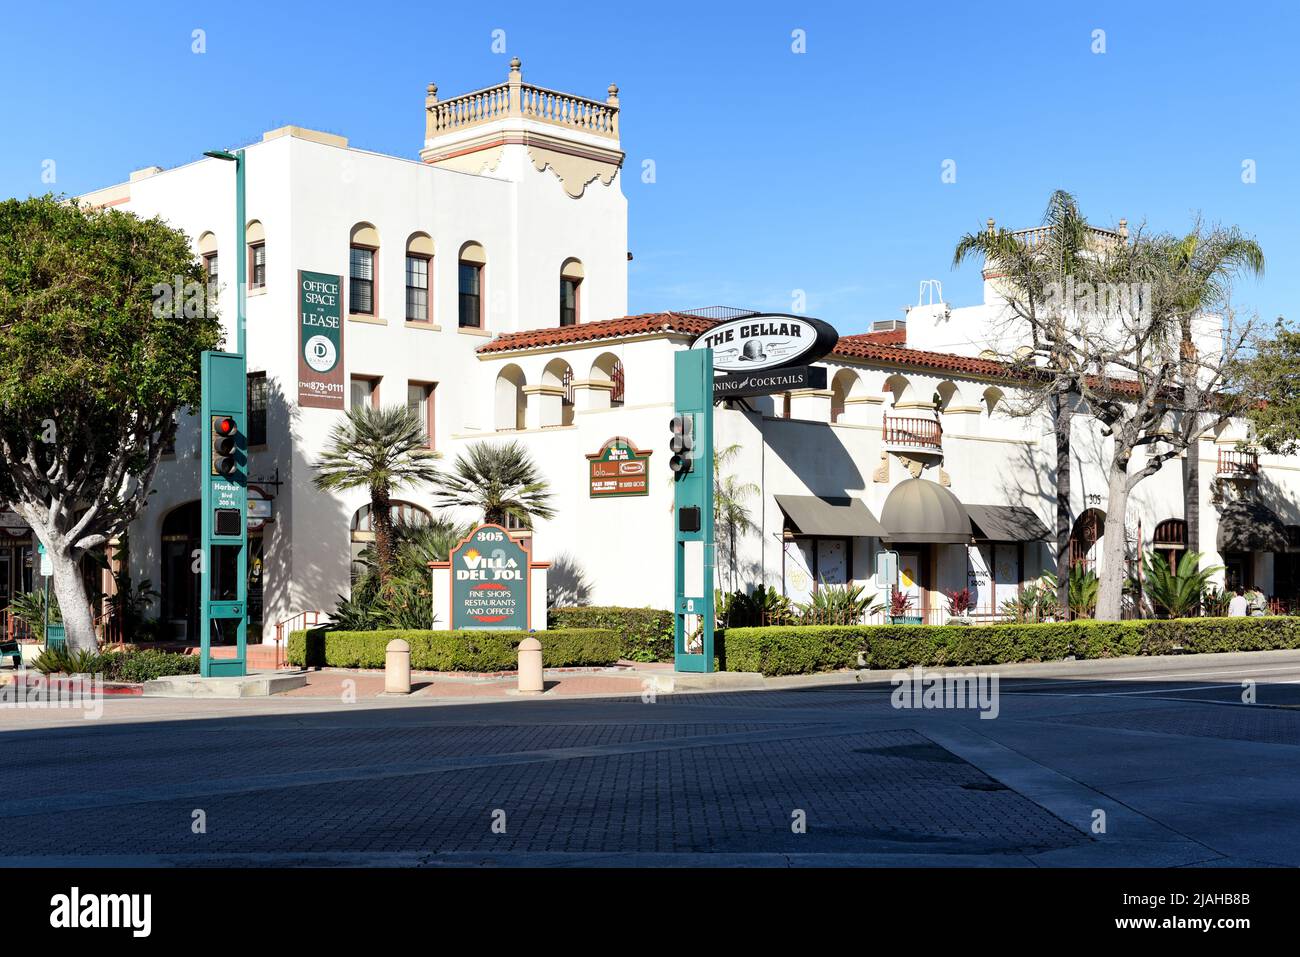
(576, 138)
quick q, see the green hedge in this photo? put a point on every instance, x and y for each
(646, 633)
(802, 650)
(451, 650)
(147, 664)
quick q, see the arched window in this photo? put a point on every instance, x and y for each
(363, 254)
(843, 387)
(948, 394)
(571, 276)
(208, 256)
(609, 368)
(363, 529)
(419, 279)
(509, 399)
(1170, 540)
(256, 239)
(558, 374)
(899, 388)
(472, 263)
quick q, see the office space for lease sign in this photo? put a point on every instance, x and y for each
(320, 340)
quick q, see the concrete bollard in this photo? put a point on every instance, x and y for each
(530, 667)
(397, 667)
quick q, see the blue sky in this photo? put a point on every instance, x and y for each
(775, 171)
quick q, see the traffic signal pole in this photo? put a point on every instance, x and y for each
(223, 475)
(693, 548)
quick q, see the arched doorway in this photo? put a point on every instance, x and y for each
(1087, 532)
(180, 540)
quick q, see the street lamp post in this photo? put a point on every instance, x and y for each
(223, 444)
(241, 235)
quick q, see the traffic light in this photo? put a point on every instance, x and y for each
(682, 443)
(225, 446)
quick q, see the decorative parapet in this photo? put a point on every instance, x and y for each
(575, 137)
(515, 98)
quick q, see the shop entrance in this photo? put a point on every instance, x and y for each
(15, 576)
(180, 579)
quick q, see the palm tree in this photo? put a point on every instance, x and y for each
(1031, 268)
(1175, 591)
(1204, 264)
(381, 450)
(498, 479)
(730, 514)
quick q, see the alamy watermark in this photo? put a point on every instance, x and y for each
(976, 690)
(1131, 299)
(37, 691)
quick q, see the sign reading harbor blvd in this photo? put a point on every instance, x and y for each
(320, 341)
(489, 581)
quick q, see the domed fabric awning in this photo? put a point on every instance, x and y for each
(919, 512)
(1248, 526)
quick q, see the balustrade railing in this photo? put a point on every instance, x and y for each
(515, 98)
(913, 432)
(1244, 462)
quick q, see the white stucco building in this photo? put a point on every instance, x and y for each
(486, 284)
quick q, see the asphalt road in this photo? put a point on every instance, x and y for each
(1173, 761)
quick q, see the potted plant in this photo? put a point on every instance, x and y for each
(900, 609)
(959, 603)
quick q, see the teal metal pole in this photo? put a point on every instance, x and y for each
(225, 378)
(241, 263)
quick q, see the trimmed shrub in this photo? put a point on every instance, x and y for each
(451, 650)
(145, 665)
(646, 633)
(793, 650)
(806, 649)
(136, 666)
(1205, 636)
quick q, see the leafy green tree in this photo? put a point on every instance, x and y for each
(380, 450)
(1176, 590)
(1272, 374)
(96, 359)
(497, 479)
(1098, 317)
(1031, 268)
(1206, 260)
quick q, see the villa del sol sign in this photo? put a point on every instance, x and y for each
(489, 581)
(619, 469)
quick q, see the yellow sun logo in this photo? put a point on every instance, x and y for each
(471, 554)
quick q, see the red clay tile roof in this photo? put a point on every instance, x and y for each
(867, 346)
(889, 337)
(881, 346)
(605, 329)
